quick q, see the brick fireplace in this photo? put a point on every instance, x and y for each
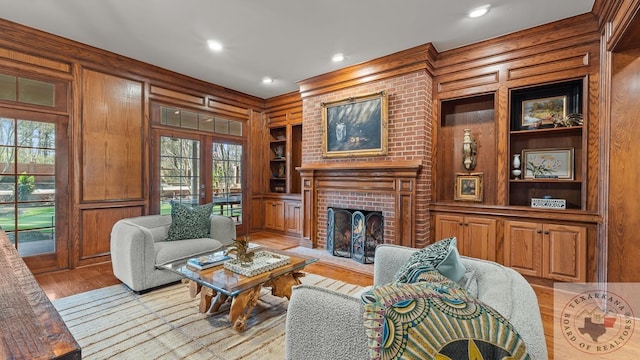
(399, 183)
(387, 187)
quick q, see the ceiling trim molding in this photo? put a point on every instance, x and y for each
(414, 59)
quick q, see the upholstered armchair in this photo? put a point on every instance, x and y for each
(323, 324)
(140, 244)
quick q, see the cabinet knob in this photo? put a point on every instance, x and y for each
(546, 232)
(539, 231)
(460, 224)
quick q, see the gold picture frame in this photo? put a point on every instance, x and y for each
(468, 187)
(542, 111)
(355, 126)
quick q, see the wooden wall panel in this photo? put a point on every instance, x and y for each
(624, 169)
(112, 137)
(96, 229)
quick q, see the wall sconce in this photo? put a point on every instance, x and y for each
(469, 150)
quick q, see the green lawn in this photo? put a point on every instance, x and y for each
(29, 218)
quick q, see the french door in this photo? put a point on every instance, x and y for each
(34, 186)
(197, 169)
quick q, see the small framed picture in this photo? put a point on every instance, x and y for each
(548, 163)
(468, 187)
(543, 111)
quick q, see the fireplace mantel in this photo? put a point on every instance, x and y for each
(397, 178)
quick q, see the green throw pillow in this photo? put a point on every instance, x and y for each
(442, 256)
(436, 319)
(189, 222)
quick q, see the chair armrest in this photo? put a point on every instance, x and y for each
(223, 229)
(389, 259)
(323, 324)
(132, 254)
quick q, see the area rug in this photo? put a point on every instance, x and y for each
(115, 323)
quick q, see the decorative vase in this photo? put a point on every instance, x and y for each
(516, 161)
(279, 151)
(516, 166)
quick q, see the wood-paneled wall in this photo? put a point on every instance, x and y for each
(620, 33)
(112, 133)
(108, 110)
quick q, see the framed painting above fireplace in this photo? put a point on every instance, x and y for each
(355, 126)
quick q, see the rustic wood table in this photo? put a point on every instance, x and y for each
(217, 285)
(30, 327)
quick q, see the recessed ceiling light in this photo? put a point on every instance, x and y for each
(337, 57)
(477, 12)
(267, 80)
(214, 45)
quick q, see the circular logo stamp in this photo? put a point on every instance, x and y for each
(597, 322)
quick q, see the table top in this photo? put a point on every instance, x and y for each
(230, 283)
(31, 325)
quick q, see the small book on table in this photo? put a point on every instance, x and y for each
(207, 261)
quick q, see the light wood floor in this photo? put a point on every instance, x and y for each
(69, 282)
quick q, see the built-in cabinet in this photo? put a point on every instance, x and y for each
(551, 251)
(475, 236)
(283, 154)
(546, 138)
(540, 109)
(274, 215)
(293, 217)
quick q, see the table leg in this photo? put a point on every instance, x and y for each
(210, 300)
(241, 307)
(282, 285)
(194, 288)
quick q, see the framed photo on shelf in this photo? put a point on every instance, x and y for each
(355, 126)
(468, 187)
(540, 112)
(537, 107)
(548, 163)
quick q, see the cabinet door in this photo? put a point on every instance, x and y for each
(480, 238)
(565, 252)
(450, 226)
(293, 218)
(523, 247)
(274, 214)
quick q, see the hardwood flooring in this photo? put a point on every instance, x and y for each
(69, 282)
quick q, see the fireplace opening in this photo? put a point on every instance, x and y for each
(354, 233)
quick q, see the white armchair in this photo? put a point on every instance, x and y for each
(323, 324)
(138, 245)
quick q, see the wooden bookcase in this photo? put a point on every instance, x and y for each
(544, 138)
(283, 154)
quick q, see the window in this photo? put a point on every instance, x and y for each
(179, 172)
(227, 179)
(199, 160)
(27, 184)
(33, 92)
(188, 119)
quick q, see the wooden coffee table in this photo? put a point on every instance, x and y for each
(217, 284)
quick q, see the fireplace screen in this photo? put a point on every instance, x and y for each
(354, 233)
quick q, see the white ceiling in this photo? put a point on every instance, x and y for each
(288, 40)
